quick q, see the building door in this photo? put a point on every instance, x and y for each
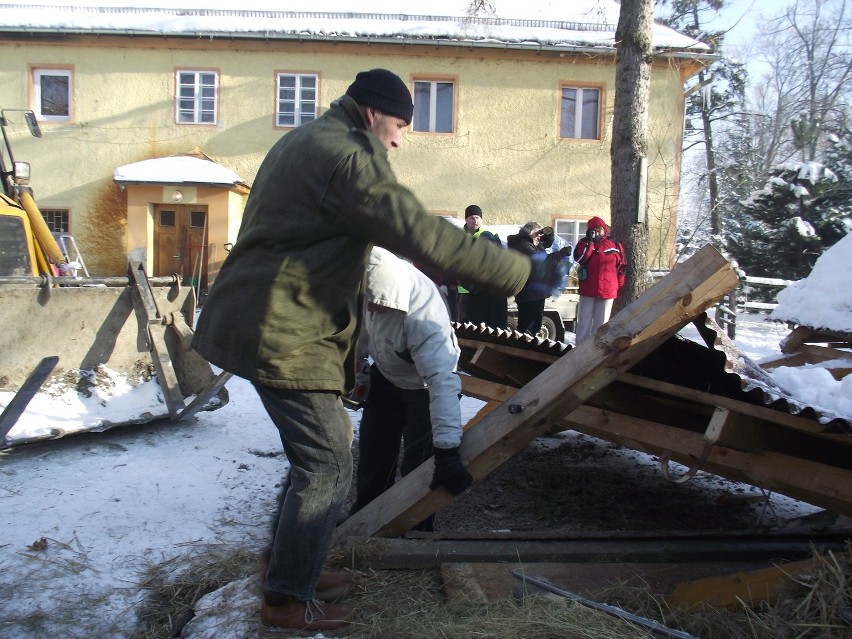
(180, 242)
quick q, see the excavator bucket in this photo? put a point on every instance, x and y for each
(119, 349)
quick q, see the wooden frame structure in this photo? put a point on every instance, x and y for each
(606, 388)
(543, 401)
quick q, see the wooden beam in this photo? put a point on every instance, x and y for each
(796, 338)
(517, 353)
(414, 554)
(735, 591)
(810, 481)
(485, 390)
(502, 366)
(533, 410)
(709, 399)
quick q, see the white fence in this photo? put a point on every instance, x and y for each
(738, 301)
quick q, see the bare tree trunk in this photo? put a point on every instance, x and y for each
(630, 141)
(712, 178)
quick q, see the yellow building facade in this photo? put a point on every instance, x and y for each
(506, 151)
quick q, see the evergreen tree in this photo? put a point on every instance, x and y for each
(714, 101)
(833, 211)
(804, 208)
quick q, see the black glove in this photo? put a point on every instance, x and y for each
(450, 472)
(565, 251)
(590, 234)
(546, 276)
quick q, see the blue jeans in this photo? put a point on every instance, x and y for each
(316, 433)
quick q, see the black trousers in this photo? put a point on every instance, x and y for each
(484, 308)
(530, 315)
(392, 417)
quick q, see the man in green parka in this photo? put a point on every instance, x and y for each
(283, 313)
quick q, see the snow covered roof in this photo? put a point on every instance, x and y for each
(182, 169)
(823, 300)
(580, 24)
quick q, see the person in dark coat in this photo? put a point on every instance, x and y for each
(480, 305)
(602, 269)
(283, 313)
(532, 239)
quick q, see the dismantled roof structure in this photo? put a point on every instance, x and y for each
(640, 385)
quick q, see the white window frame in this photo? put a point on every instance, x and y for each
(196, 92)
(433, 106)
(300, 99)
(581, 117)
(38, 74)
(570, 230)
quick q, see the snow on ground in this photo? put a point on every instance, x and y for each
(86, 515)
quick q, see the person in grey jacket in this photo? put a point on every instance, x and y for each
(283, 314)
(413, 396)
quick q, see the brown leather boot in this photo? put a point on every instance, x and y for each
(306, 616)
(331, 586)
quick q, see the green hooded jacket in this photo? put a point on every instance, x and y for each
(283, 310)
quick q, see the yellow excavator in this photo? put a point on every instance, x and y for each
(64, 329)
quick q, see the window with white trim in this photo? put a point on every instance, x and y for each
(579, 116)
(52, 94)
(196, 97)
(296, 101)
(434, 106)
(570, 231)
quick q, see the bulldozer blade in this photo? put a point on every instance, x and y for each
(28, 390)
(114, 348)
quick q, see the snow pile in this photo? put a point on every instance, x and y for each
(93, 400)
(822, 300)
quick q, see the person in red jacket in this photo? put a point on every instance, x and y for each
(601, 273)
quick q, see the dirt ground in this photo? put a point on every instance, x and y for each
(573, 483)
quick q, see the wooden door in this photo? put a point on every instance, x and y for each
(180, 242)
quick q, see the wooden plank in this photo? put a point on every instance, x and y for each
(733, 591)
(708, 399)
(808, 354)
(503, 366)
(205, 395)
(485, 390)
(796, 338)
(166, 376)
(807, 480)
(635, 331)
(415, 554)
(517, 353)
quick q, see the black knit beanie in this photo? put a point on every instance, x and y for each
(383, 90)
(473, 210)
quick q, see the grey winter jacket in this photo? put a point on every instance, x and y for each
(412, 341)
(283, 310)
